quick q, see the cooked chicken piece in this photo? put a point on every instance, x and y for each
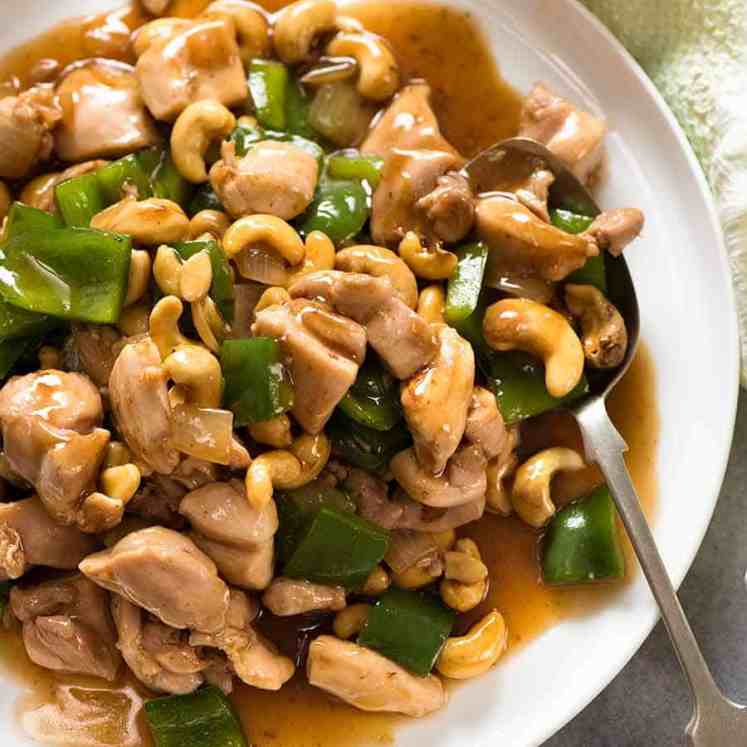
(140, 401)
(535, 192)
(67, 626)
(275, 178)
(435, 401)
(26, 122)
(408, 548)
(254, 659)
(92, 349)
(372, 498)
(325, 352)
(403, 339)
(103, 113)
(157, 501)
(29, 537)
(423, 518)
(159, 656)
(575, 136)
(286, 597)
(249, 567)
(450, 208)
(200, 60)
(463, 480)
(167, 574)
(613, 230)
(416, 155)
(485, 427)
(39, 192)
(50, 436)
(528, 244)
(368, 681)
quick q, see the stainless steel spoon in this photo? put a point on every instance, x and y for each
(717, 721)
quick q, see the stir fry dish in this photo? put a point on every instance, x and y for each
(267, 350)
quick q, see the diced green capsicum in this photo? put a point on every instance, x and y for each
(221, 289)
(350, 164)
(297, 105)
(71, 273)
(204, 718)
(518, 382)
(268, 81)
(114, 177)
(593, 272)
(408, 628)
(373, 400)
(257, 385)
(365, 447)
(582, 543)
(15, 322)
(338, 548)
(165, 180)
(204, 198)
(24, 218)
(340, 209)
(79, 199)
(465, 284)
(244, 138)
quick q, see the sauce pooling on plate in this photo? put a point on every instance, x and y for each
(465, 107)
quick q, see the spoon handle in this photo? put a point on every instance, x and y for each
(606, 447)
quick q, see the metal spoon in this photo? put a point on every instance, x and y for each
(717, 721)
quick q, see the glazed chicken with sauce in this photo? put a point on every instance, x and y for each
(259, 381)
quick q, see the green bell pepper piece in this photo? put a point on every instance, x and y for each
(165, 179)
(518, 382)
(244, 138)
(268, 83)
(71, 273)
(24, 218)
(257, 384)
(204, 199)
(221, 289)
(408, 628)
(350, 164)
(11, 351)
(298, 508)
(15, 322)
(593, 272)
(338, 548)
(365, 447)
(297, 105)
(373, 400)
(79, 199)
(340, 209)
(204, 718)
(126, 171)
(582, 543)
(465, 284)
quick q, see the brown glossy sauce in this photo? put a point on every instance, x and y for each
(476, 107)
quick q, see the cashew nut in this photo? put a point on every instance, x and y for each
(210, 326)
(351, 621)
(139, 276)
(414, 577)
(266, 231)
(117, 454)
(459, 595)
(198, 370)
(275, 432)
(252, 27)
(530, 496)
(167, 270)
(196, 277)
(604, 336)
(120, 482)
(473, 654)
(379, 75)
(378, 582)
(195, 128)
(273, 296)
(164, 326)
(214, 222)
(49, 357)
(319, 255)
(160, 28)
(432, 304)
(299, 25)
(497, 497)
(152, 221)
(99, 513)
(380, 262)
(427, 263)
(459, 566)
(518, 323)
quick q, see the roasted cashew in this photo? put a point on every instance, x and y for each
(497, 497)
(378, 582)
(530, 496)
(99, 513)
(604, 336)
(275, 432)
(460, 596)
(139, 276)
(252, 27)
(198, 370)
(117, 454)
(351, 621)
(160, 28)
(273, 296)
(210, 326)
(267, 231)
(196, 277)
(152, 221)
(380, 262)
(319, 255)
(214, 222)
(379, 75)
(164, 326)
(195, 128)
(414, 577)
(298, 26)
(473, 654)
(120, 482)
(426, 263)
(463, 567)
(432, 304)
(518, 323)
(167, 270)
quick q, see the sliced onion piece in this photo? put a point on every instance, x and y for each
(245, 296)
(340, 113)
(203, 432)
(330, 70)
(263, 266)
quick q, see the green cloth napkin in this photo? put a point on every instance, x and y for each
(695, 51)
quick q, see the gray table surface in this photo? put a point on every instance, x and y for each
(647, 703)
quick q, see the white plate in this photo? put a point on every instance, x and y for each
(688, 321)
